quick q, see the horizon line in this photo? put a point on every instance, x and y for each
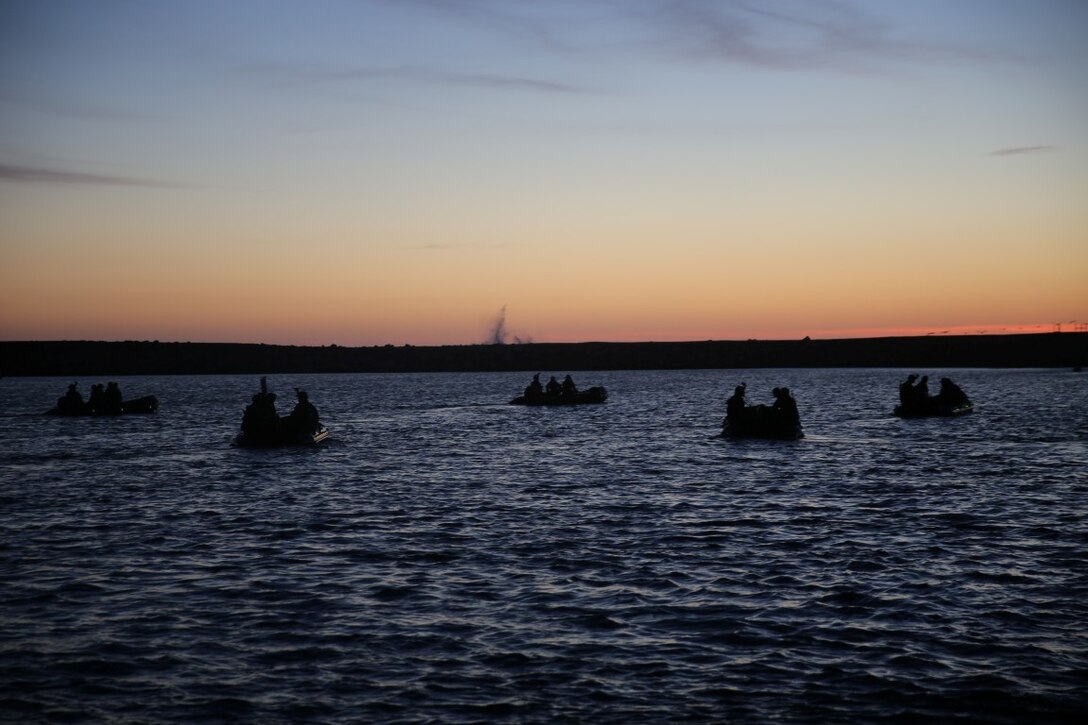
(945, 334)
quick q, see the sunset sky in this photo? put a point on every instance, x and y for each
(367, 172)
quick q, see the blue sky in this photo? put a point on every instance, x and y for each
(677, 135)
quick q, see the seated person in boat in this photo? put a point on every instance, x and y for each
(96, 401)
(534, 389)
(906, 390)
(304, 417)
(113, 398)
(260, 418)
(735, 405)
(569, 389)
(553, 388)
(785, 406)
(921, 392)
(951, 394)
(71, 401)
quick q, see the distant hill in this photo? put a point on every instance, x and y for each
(73, 359)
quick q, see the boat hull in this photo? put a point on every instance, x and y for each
(592, 395)
(762, 421)
(136, 406)
(933, 411)
(782, 432)
(281, 438)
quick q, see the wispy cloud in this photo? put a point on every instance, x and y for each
(416, 74)
(37, 175)
(1018, 150)
(818, 35)
(513, 82)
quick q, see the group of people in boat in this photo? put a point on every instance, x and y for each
(783, 410)
(261, 422)
(104, 400)
(915, 395)
(552, 390)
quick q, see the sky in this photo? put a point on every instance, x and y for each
(367, 172)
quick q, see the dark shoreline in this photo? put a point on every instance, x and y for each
(81, 358)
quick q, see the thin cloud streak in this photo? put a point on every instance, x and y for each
(1019, 150)
(33, 175)
(313, 74)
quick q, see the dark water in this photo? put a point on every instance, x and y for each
(450, 558)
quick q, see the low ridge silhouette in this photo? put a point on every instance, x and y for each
(86, 358)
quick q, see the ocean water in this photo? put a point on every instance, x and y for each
(449, 558)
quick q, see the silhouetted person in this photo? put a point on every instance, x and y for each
(304, 417)
(785, 405)
(553, 388)
(96, 401)
(71, 402)
(921, 392)
(734, 406)
(113, 399)
(569, 389)
(951, 394)
(534, 389)
(260, 419)
(906, 390)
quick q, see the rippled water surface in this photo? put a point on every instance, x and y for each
(446, 557)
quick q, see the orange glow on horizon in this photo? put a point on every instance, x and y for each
(326, 335)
